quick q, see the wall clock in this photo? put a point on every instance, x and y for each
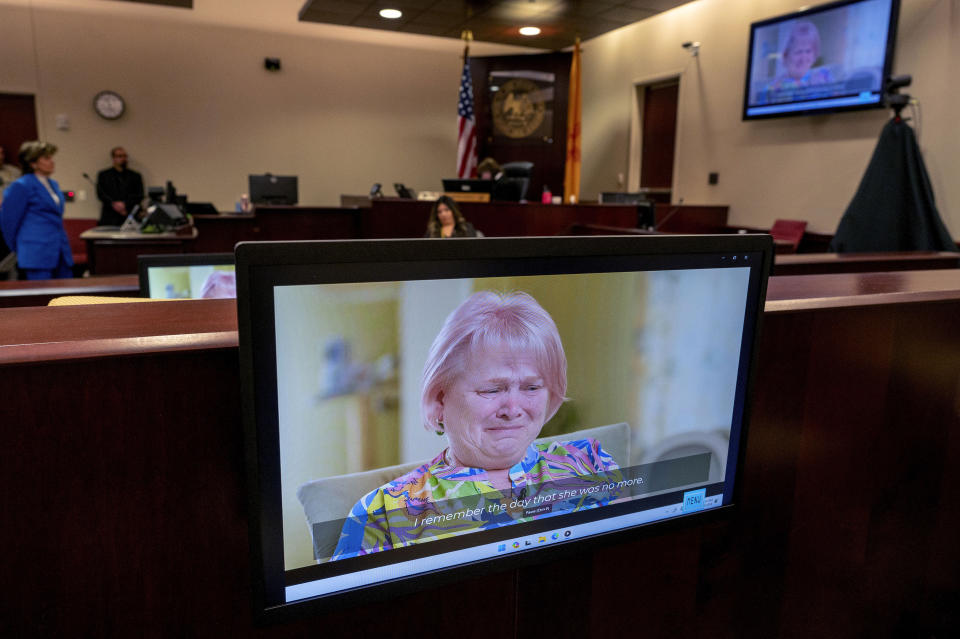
(109, 105)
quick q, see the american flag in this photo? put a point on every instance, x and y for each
(467, 124)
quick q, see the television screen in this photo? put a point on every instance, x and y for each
(187, 276)
(417, 411)
(833, 57)
(273, 189)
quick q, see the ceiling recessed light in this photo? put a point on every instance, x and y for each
(390, 14)
(529, 31)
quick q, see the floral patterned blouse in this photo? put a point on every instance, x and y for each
(438, 500)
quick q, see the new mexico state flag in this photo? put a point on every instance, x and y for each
(571, 180)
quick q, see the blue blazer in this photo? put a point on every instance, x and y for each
(32, 224)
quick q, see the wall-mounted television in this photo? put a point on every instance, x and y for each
(832, 57)
(419, 411)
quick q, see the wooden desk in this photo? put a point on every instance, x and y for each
(813, 263)
(113, 253)
(388, 218)
(125, 510)
(220, 233)
(691, 218)
(394, 217)
(39, 292)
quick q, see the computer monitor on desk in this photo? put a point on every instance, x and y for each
(359, 300)
(187, 276)
(457, 185)
(273, 189)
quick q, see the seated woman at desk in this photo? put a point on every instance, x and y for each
(489, 169)
(31, 216)
(446, 220)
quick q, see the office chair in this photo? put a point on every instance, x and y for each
(787, 235)
(513, 184)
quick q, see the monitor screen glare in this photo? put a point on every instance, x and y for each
(832, 57)
(419, 408)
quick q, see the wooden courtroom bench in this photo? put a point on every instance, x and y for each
(812, 263)
(40, 292)
(125, 508)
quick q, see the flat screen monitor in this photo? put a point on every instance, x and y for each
(187, 276)
(456, 185)
(418, 411)
(832, 57)
(273, 189)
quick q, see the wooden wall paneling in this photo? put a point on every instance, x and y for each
(878, 413)
(117, 257)
(220, 233)
(124, 501)
(691, 218)
(548, 157)
(306, 223)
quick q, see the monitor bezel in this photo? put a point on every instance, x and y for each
(251, 257)
(146, 262)
(889, 52)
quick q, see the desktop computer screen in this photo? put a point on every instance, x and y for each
(187, 276)
(273, 189)
(419, 410)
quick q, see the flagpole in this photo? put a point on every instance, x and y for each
(571, 178)
(466, 35)
(466, 117)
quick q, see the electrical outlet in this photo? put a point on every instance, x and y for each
(713, 178)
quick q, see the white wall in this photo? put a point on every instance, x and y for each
(350, 107)
(805, 167)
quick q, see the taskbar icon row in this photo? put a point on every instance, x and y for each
(534, 540)
(693, 500)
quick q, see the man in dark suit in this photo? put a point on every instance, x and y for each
(119, 189)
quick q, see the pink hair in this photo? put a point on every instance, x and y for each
(220, 284)
(803, 32)
(492, 320)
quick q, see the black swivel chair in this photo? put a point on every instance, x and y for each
(513, 184)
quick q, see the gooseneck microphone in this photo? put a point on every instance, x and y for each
(96, 185)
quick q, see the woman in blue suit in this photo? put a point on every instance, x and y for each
(31, 216)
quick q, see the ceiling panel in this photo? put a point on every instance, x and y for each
(561, 21)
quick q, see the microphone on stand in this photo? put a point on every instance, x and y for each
(96, 185)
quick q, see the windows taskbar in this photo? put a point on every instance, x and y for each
(693, 500)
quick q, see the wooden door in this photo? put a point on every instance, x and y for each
(659, 135)
(18, 123)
